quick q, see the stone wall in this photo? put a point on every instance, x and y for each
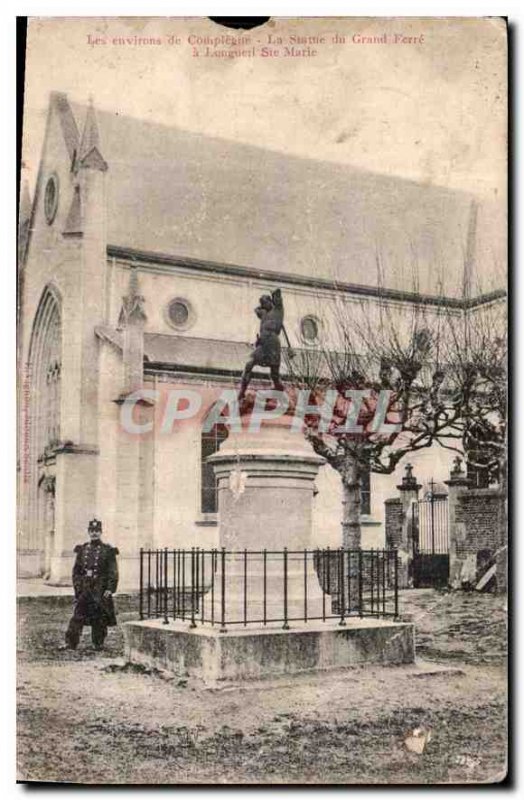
(482, 513)
(479, 537)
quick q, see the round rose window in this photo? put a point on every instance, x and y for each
(179, 313)
(309, 329)
(51, 199)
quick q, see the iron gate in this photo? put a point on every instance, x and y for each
(430, 542)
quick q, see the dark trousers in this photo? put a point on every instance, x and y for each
(74, 631)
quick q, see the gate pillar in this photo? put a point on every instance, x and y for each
(409, 489)
(459, 569)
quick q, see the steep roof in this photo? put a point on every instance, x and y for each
(179, 193)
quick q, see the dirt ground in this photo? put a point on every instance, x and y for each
(87, 717)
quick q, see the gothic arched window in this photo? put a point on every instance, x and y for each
(40, 408)
(44, 369)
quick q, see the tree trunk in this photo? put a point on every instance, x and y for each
(351, 535)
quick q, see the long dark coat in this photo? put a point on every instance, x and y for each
(95, 571)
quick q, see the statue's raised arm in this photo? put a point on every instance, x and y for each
(276, 297)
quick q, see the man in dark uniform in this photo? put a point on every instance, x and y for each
(95, 578)
(267, 350)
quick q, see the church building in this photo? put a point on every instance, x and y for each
(141, 258)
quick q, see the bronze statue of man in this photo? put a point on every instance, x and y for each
(267, 352)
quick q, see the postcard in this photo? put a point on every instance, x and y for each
(262, 401)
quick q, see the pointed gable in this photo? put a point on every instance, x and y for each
(89, 155)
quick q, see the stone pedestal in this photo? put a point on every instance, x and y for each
(266, 483)
(265, 496)
(249, 654)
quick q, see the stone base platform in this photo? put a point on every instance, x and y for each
(248, 654)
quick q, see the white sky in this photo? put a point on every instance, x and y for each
(434, 112)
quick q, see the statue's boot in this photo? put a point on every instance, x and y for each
(243, 388)
(277, 383)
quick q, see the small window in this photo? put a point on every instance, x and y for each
(210, 443)
(309, 328)
(51, 199)
(179, 313)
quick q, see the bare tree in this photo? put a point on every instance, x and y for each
(477, 361)
(439, 365)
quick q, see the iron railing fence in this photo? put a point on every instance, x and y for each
(220, 587)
